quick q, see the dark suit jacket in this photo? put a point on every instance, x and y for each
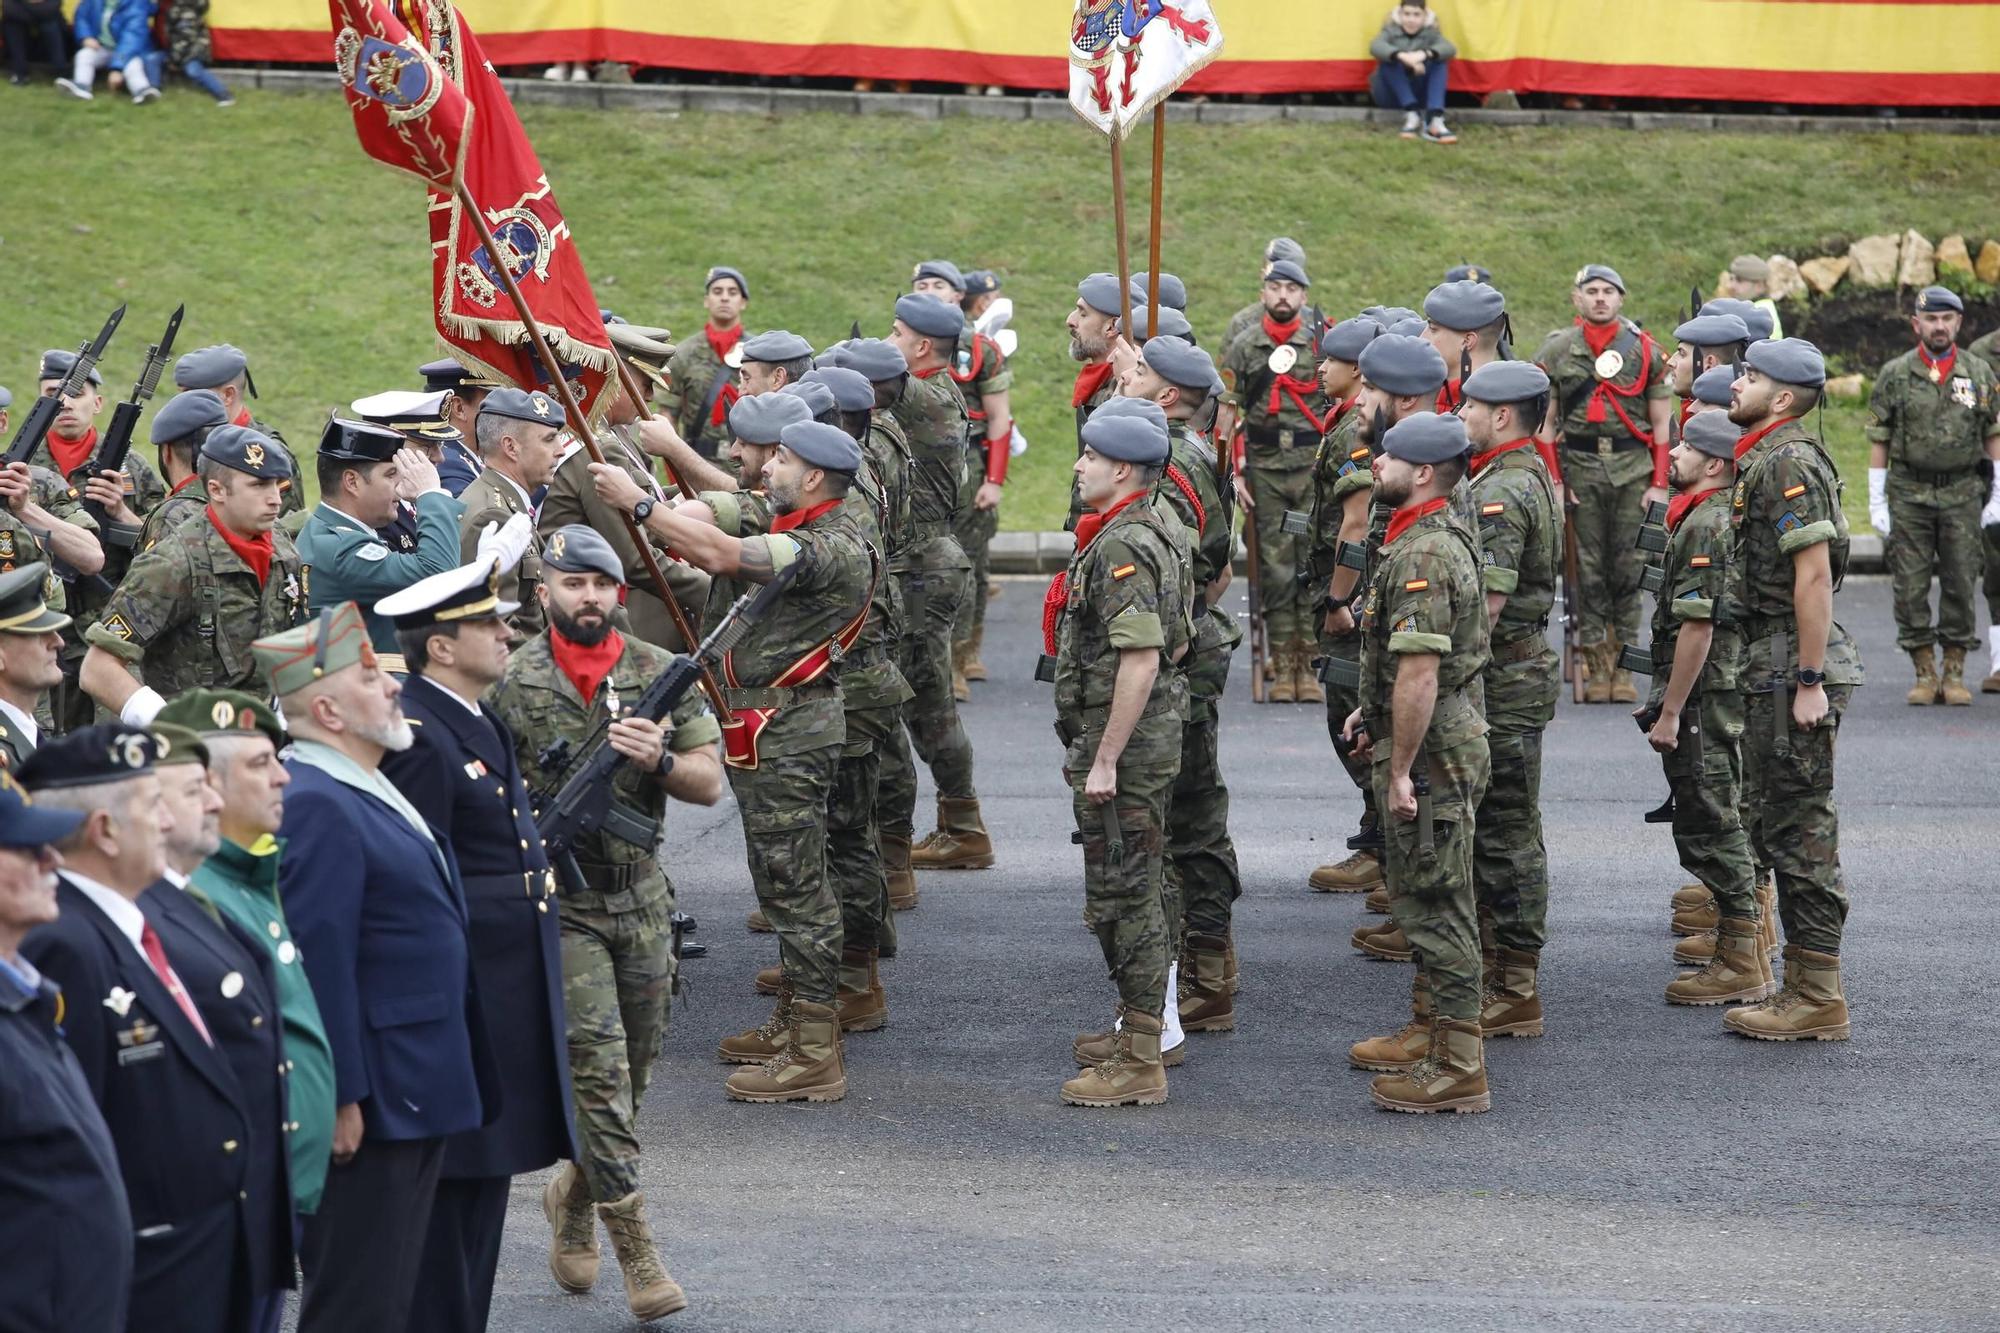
(176, 1113)
(65, 1227)
(213, 960)
(376, 911)
(463, 776)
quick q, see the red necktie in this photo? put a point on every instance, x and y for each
(149, 944)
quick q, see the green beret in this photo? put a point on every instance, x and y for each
(333, 641)
(212, 713)
(176, 745)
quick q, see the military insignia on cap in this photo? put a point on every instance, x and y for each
(129, 749)
(556, 545)
(541, 406)
(1282, 359)
(223, 714)
(253, 454)
(1608, 364)
(116, 623)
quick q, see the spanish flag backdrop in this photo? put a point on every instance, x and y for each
(1869, 52)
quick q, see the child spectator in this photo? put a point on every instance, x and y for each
(113, 34)
(1413, 51)
(188, 48)
(24, 20)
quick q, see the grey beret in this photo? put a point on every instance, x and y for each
(1464, 306)
(940, 268)
(56, 364)
(1124, 430)
(1345, 340)
(1755, 317)
(877, 358)
(762, 418)
(1932, 300)
(521, 405)
(980, 281)
(210, 367)
(1415, 326)
(1468, 273)
(1711, 433)
(822, 446)
(1788, 361)
(1712, 385)
(1172, 323)
(852, 391)
(1712, 331)
(6, 397)
(1425, 437)
(1388, 316)
(1100, 292)
(927, 315)
(1506, 382)
(185, 413)
(1284, 247)
(724, 271)
(247, 450)
(1173, 292)
(1402, 365)
(1287, 270)
(775, 345)
(817, 397)
(1180, 362)
(576, 549)
(1599, 272)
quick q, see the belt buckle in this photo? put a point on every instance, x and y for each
(1606, 446)
(1285, 437)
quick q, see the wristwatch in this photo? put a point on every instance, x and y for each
(1808, 676)
(642, 510)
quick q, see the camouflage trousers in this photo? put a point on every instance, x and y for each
(1341, 701)
(1610, 491)
(618, 981)
(1510, 863)
(1201, 876)
(1934, 533)
(1788, 778)
(1125, 897)
(784, 804)
(931, 600)
(1705, 775)
(853, 853)
(974, 529)
(1288, 613)
(1430, 892)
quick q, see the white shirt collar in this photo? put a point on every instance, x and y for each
(527, 501)
(124, 913)
(175, 878)
(25, 721)
(470, 705)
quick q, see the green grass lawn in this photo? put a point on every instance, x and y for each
(284, 239)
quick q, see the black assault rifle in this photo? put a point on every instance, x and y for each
(117, 444)
(35, 428)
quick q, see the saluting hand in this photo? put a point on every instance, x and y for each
(639, 739)
(415, 474)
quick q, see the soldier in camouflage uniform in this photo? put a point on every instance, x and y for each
(1987, 348)
(1424, 644)
(1201, 877)
(1933, 433)
(1123, 627)
(42, 520)
(1702, 344)
(1612, 412)
(225, 371)
(1520, 543)
(30, 661)
(516, 434)
(1276, 403)
(1799, 670)
(559, 690)
(191, 606)
(1092, 326)
(1278, 247)
(178, 430)
(785, 734)
(701, 376)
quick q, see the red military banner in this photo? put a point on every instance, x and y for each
(407, 114)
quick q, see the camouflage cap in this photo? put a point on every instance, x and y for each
(89, 756)
(212, 713)
(576, 549)
(1711, 433)
(185, 413)
(176, 745)
(943, 269)
(1426, 437)
(332, 641)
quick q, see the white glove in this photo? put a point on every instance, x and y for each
(1017, 443)
(1989, 517)
(507, 540)
(1878, 499)
(142, 707)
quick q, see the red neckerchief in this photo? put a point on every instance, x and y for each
(801, 517)
(1340, 409)
(1057, 598)
(242, 417)
(1449, 397)
(586, 667)
(182, 484)
(1088, 381)
(253, 551)
(926, 374)
(722, 342)
(1289, 384)
(1604, 395)
(1599, 337)
(1687, 410)
(1750, 441)
(1479, 461)
(1678, 507)
(70, 454)
(1938, 368)
(1281, 333)
(1402, 519)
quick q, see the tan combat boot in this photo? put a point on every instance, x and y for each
(1377, 900)
(573, 1255)
(1767, 920)
(1205, 997)
(960, 841)
(1695, 920)
(649, 1292)
(770, 980)
(1690, 896)
(1951, 685)
(1695, 950)
(1452, 1077)
(763, 1042)
(974, 670)
(1384, 940)
(1399, 1050)
(1513, 1007)
(1597, 680)
(808, 1069)
(1094, 1048)
(1622, 689)
(1229, 964)
(758, 922)
(1736, 974)
(1133, 1076)
(1809, 1008)
(862, 1004)
(1925, 691)
(1359, 873)
(1284, 684)
(960, 690)
(895, 849)
(1305, 684)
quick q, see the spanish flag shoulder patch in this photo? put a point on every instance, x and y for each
(1361, 452)
(1698, 562)
(1494, 507)
(1124, 571)
(1416, 585)
(1794, 492)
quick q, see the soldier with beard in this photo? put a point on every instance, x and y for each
(1092, 326)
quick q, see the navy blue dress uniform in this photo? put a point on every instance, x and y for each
(463, 776)
(185, 1132)
(471, 387)
(375, 906)
(64, 1222)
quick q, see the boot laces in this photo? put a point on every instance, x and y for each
(578, 1227)
(636, 1255)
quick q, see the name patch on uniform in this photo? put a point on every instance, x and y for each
(1124, 571)
(116, 624)
(1698, 562)
(1416, 585)
(1794, 492)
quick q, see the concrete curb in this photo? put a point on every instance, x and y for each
(748, 100)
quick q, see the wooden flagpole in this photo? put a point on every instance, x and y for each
(1118, 213)
(1153, 239)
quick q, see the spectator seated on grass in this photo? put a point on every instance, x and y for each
(115, 35)
(23, 22)
(1412, 52)
(188, 47)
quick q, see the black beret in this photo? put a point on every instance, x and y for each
(925, 314)
(88, 756)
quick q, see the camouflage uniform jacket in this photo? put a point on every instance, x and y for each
(542, 709)
(182, 503)
(1987, 348)
(1343, 465)
(491, 497)
(887, 450)
(1787, 498)
(1282, 440)
(1696, 567)
(572, 498)
(1425, 596)
(869, 677)
(143, 490)
(23, 545)
(979, 368)
(1240, 323)
(932, 415)
(190, 608)
(691, 373)
(1211, 542)
(1520, 540)
(1131, 587)
(1934, 429)
(1572, 372)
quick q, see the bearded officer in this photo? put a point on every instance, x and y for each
(1279, 247)
(516, 433)
(1093, 329)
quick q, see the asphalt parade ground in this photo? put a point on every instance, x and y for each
(1640, 1168)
